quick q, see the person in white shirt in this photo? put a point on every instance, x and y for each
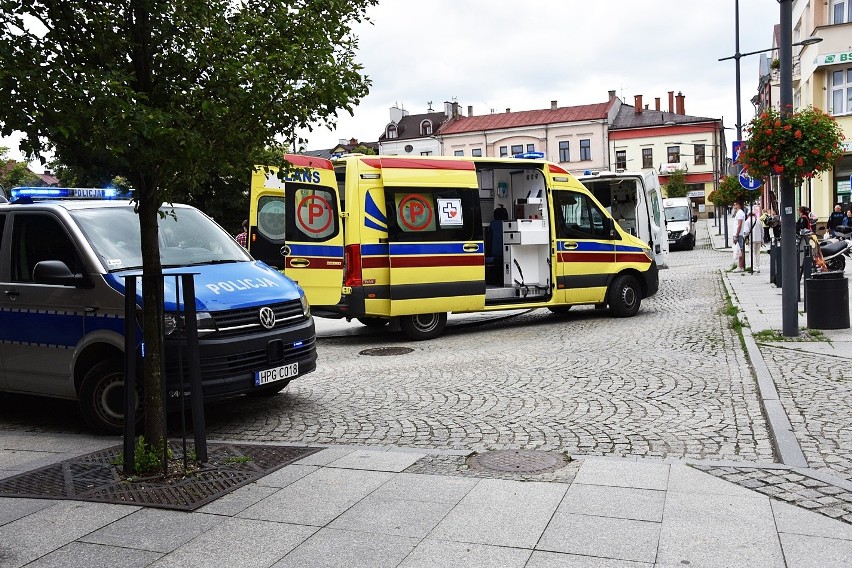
(739, 238)
(753, 233)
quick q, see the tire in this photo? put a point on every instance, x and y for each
(624, 296)
(102, 397)
(559, 310)
(268, 391)
(373, 322)
(691, 243)
(421, 327)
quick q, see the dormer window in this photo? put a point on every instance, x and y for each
(390, 131)
(426, 128)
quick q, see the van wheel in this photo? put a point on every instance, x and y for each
(420, 327)
(267, 391)
(373, 322)
(102, 397)
(624, 296)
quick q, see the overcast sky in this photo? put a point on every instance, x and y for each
(498, 54)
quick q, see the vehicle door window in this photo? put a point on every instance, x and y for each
(433, 214)
(40, 237)
(311, 213)
(2, 227)
(578, 217)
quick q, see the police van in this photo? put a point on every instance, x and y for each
(63, 259)
(408, 240)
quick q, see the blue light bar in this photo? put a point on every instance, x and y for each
(65, 193)
(529, 155)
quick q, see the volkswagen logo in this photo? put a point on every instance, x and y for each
(267, 317)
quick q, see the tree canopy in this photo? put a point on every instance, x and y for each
(676, 186)
(175, 96)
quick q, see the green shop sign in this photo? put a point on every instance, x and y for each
(834, 58)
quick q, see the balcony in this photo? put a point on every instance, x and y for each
(775, 74)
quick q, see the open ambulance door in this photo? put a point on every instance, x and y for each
(296, 226)
(435, 238)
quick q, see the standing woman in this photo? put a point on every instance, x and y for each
(804, 222)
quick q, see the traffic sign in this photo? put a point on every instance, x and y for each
(736, 146)
(749, 182)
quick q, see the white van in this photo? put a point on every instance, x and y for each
(680, 222)
(634, 199)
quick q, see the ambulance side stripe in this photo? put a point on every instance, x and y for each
(371, 209)
(316, 250)
(433, 248)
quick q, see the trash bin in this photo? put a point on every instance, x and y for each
(775, 263)
(827, 297)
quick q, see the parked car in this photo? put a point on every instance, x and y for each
(680, 222)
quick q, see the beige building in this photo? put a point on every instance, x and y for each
(822, 78)
(574, 137)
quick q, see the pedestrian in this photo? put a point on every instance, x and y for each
(754, 239)
(242, 238)
(835, 219)
(804, 222)
(739, 240)
(847, 221)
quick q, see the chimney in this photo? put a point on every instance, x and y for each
(611, 95)
(671, 101)
(637, 103)
(455, 110)
(353, 141)
(508, 110)
(646, 106)
(448, 108)
(553, 105)
(680, 98)
(470, 110)
(341, 141)
(656, 103)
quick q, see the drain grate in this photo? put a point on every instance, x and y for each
(93, 477)
(528, 462)
(386, 351)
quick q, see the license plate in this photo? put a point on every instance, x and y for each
(275, 374)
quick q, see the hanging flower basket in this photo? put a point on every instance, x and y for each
(795, 147)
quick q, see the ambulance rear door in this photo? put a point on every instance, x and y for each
(298, 221)
(435, 239)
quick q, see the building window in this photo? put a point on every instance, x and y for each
(530, 147)
(426, 153)
(621, 159)
(390, 131)
(504, 151)
(585, 149)
(565, 151)
(841, 11)
(458, 153)
(700, 157)
(841, 91)
(647, 157)
(426, 128)
(674, 154)
(476, 152)
(517, 149)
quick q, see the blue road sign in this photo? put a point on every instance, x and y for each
(736, 145)
(749, 182)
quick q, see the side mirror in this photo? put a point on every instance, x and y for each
(57, 272)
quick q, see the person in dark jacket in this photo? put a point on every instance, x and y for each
(835, 219)
(804, 222)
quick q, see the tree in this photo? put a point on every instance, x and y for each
(14, 174)
(676, 187)
(172, 96)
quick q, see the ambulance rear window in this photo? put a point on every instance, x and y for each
(432, 214)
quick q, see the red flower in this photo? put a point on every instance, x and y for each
(765, 162)
(769, 132)
(800, 162)
(777, 123)
(778, 168)
(798, 134)
(787, 127)
(815, 151)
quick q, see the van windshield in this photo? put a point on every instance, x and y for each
(677, 213)
(187, 237)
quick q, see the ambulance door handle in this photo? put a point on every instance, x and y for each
(570, 245)
(299, 262)
(468, 247)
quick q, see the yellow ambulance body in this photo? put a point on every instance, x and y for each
(408, 240)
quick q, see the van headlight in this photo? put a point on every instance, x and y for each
(172, 322)
(306, 308)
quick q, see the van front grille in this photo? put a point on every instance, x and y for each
(235, 322)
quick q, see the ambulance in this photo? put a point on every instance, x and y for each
(406, 241)
(64, 256)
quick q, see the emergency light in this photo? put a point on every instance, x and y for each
(529, 155)
(65, 193)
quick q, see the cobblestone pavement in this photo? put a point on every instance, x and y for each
(671, 382)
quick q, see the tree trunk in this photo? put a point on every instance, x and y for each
(152, 318)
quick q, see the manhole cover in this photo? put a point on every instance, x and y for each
(385, 351)
(518, 461)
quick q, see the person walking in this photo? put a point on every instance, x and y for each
(739, 239)
(242, 238)
(754, 240)
(835, 219)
